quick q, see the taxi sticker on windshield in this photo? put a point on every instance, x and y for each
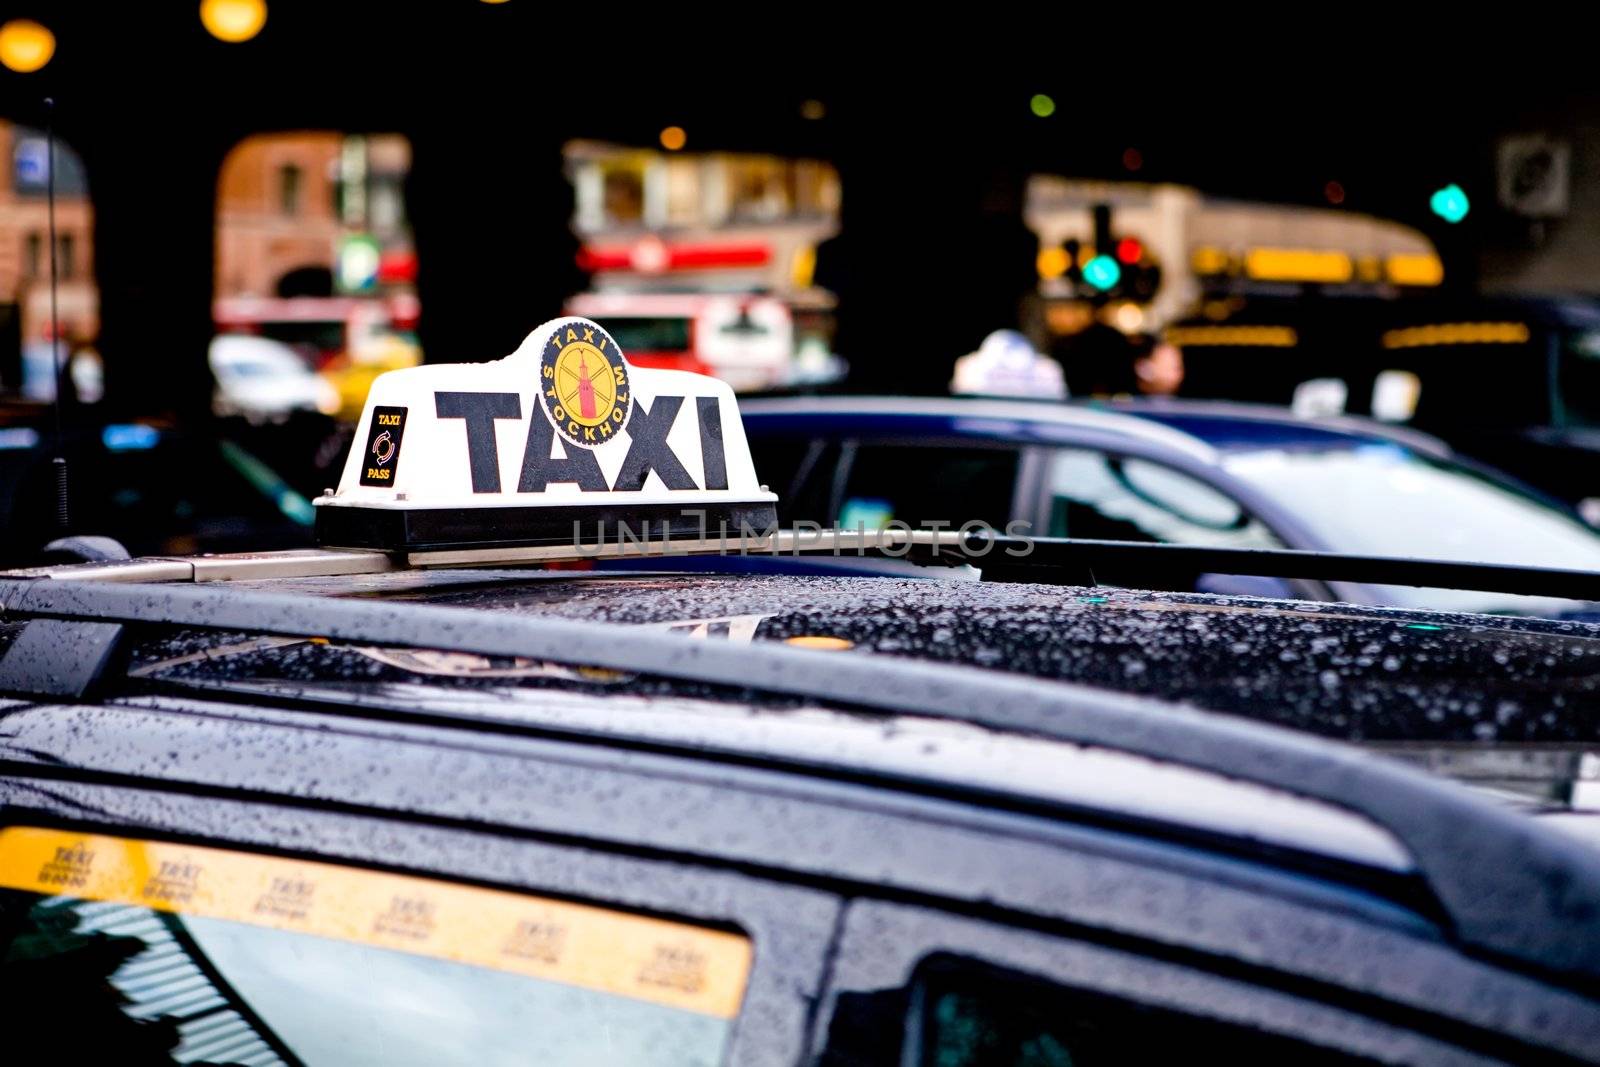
(381, 460)
(655, 960)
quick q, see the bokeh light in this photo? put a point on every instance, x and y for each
(1450, 203)
(1042, 105)
(813, 110)
(25, 45)
(233, 21)
(1053, 262)
(1132, 159)
(673, 138)
(1102, 272)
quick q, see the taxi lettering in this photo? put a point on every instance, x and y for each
(648, 450)
(561, 424)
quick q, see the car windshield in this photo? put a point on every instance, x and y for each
(639, 333)
(211, 956)
(1383, 499)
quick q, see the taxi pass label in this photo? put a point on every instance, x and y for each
(654, 960)
(585, 385)
(382, 458)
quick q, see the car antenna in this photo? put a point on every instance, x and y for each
(59, 462)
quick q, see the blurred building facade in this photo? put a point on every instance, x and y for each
(711, 221)
(1207, 249)
(24, 240)
(288, 203)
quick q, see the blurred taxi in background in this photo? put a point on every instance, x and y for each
(1183, 472)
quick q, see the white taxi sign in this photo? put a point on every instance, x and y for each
(556, 443)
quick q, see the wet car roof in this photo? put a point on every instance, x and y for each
(1334, 670)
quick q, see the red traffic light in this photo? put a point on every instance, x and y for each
(1129, 250)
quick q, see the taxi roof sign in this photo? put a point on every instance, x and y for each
(556, 443)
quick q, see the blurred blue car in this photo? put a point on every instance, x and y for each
(1169, 471)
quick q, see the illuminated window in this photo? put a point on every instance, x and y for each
(289, 189)
(623, 191)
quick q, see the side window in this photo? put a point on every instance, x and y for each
(1122, 498)
(919, 484)
(918, 988)
(963, 1012)
(794, 468)
(1578, 378)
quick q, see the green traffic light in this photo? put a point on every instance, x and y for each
(1450, 203)
(1102, 272)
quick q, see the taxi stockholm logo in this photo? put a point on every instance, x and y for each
(584, 385)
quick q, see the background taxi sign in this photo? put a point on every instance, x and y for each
(556, 443)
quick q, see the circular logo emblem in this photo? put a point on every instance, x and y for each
(585, 385)
(383, 448)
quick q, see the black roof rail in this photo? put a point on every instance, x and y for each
(1509, 887)
(1078, 561)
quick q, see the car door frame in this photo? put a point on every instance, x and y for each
(598, 818)
(790, 926)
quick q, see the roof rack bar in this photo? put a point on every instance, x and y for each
(1047, 560)
(1510, 887)
(1148, 564)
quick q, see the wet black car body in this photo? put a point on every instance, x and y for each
(941, 844)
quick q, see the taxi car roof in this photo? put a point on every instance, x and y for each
(1483, 881)
(1352, 673)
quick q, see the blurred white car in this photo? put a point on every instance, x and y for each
(265, 380)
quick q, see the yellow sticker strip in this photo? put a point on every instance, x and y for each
(662, 962)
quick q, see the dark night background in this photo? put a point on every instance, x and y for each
(926, 122)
